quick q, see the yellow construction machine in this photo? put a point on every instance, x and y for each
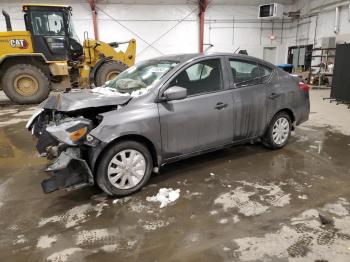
(49, 52)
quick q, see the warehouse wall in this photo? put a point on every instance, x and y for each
(164, 29)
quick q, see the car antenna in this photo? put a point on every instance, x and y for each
(236, 50)
(209, 46)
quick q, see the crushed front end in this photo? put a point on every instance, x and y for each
(63, 140)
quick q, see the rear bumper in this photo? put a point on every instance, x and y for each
(68, 171)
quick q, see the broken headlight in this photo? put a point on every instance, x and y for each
(72, 131)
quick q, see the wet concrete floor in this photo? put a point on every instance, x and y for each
(247, 203)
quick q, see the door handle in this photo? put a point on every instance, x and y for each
(274, 96)
(220, 106)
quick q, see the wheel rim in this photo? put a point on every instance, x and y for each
(126, 169)
(280, 131)
(26, 85)
(111, 75)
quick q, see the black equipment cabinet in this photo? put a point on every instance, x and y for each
(341, 76)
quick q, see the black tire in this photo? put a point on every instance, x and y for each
(102, 179)
(268, 140)
(107, 71)
(31, 74)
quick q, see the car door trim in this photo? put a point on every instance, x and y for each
(207, 150)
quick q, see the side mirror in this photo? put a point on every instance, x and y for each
(174, 93)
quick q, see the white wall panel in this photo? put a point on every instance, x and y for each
(147, 22)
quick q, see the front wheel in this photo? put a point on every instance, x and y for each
(279, 131)
(108, 71)
(124, 168)
(25, 84)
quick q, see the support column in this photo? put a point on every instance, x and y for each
(94, 17)
(202, 7)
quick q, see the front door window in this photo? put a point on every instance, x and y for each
(200, 78)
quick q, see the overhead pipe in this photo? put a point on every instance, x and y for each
(94, 17)
(203, 4)
(336, 20)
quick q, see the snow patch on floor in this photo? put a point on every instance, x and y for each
(274, 195)
(235, 219)
(109, 248)
(63, 255)
(11, 122)
(138, 207)
(339, 208)
(28, 112)
(242, 198)
(88, 237)
(223, 221)
(165, 196)
(21, 239)
(153, 225)
(302, 239)
(8, 111)
(75, 215)
(46, 241)
(304, 197)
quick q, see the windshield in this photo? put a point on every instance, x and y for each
(141, 76)
(47, 23)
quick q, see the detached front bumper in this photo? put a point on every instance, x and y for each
(68, 171)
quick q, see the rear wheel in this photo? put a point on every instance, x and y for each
(108, 71)
(124, 168)
(25, 84)
(279, 131)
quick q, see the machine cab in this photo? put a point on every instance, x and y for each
(52, 31)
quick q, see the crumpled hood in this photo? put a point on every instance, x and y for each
(80, 99)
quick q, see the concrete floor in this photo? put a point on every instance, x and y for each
(242, 204)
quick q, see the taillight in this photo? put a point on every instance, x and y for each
(304, 87)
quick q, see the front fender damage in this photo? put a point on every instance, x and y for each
(68, 171)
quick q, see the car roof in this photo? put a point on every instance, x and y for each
(183, 58)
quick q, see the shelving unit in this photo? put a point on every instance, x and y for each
(326, 56)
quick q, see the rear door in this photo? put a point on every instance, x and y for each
(249, 98)
(204, 118)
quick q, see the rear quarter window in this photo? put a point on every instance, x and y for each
(265, 73)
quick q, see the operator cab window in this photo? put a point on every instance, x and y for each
(200, 78)
(47, 23)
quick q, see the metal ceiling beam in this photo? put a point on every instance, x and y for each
(94, 17)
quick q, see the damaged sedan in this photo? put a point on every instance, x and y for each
(160, 111)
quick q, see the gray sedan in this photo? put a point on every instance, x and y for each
(164, 110)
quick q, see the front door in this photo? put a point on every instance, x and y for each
(204, 118)
(249, 98)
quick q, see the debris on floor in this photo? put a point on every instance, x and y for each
(165, 196)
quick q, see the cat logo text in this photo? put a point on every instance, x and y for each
(19, 43)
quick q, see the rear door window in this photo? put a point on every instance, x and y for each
(244, 73)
